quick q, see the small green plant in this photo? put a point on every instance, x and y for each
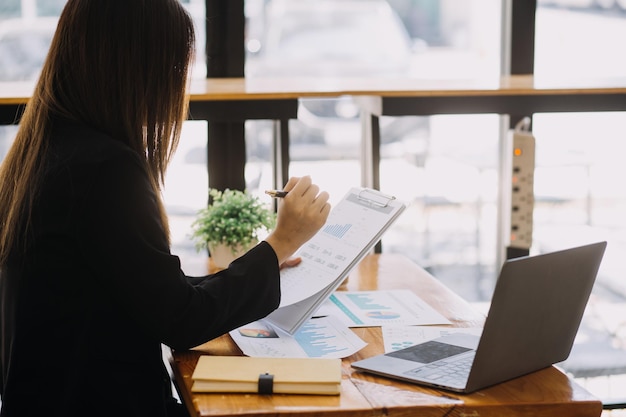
(234, 218)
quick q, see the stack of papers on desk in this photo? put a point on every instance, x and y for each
(329, 336)
(290, 375)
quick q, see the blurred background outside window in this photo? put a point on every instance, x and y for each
(442, 171)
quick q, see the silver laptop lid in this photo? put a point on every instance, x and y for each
(536, 310)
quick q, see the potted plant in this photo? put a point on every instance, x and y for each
(231, 224)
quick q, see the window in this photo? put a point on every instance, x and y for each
(578, 197)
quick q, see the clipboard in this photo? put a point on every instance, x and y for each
(352, 229)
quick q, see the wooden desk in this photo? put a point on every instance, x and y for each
(239, 99)
(548, 392)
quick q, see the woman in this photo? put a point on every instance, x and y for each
(88, 287)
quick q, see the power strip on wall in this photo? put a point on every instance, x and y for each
(522, 198)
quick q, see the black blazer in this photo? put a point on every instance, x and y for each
(85, 310)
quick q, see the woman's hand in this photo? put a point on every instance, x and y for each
(301, 213)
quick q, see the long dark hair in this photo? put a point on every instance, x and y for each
(119, 66)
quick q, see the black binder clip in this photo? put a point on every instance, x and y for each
(266, 384)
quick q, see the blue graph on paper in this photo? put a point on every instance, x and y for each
(365, 301)
(337, 230)
(316, 340)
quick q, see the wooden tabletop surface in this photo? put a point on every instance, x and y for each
(548, 392)
(225, 89)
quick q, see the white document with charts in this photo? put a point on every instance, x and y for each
(352, 229)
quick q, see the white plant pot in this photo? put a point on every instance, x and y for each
(223, 255)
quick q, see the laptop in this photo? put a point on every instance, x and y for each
(536, 309)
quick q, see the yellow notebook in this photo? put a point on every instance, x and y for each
(267, 375)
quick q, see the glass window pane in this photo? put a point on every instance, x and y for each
(577, 192)
(10, 8)
(578, 39)
(197, 10)
(27, 27)
(50, 7)
(577, 153)
(186, 192)
(24, 44)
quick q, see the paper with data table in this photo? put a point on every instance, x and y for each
(380, 308)
(352, 229)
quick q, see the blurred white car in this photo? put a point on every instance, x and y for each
(334, 38)
(327, 37)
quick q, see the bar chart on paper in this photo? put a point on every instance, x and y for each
(337, 230)
(381, 308)
(317, 341)
(350, 227)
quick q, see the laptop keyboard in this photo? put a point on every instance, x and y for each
(451, 371)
